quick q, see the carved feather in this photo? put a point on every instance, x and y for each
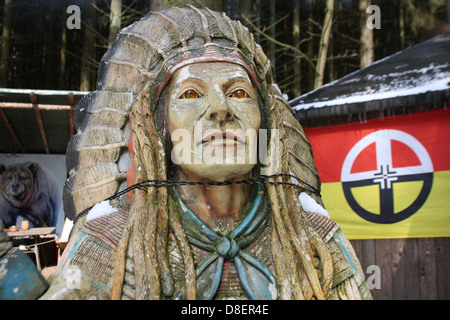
(83, 189)
(296, 152)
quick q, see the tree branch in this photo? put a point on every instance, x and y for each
(281, 44)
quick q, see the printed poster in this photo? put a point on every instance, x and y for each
(31, 188)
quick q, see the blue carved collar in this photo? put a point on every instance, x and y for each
(257, 281)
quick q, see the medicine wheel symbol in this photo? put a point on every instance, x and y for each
(387, 175)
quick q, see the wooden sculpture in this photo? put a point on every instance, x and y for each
(192, 229)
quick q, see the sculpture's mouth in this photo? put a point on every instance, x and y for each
(222, 138)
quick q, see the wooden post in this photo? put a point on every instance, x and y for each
(72, 108)
(39, 121)
(11, 130)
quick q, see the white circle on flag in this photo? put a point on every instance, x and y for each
(383, 147)
(385, 175)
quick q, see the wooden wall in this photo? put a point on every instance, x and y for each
(409, 269)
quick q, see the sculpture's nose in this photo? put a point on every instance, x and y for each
(219, 109)
(221, 115)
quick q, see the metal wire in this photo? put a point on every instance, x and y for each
(169, 183)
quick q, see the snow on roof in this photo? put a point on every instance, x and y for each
(421, 69)
(398, 87)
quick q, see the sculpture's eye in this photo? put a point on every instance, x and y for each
(190, 94)
(239, 94)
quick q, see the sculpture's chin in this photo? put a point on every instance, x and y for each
(217, 172)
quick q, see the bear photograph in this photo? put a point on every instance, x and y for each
(28, 192)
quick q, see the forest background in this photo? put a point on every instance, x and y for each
(310, 42)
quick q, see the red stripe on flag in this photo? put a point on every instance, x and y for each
(403, 156)
(366, 160)
(331, 144)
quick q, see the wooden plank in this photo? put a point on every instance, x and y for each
(411, 269)
(20, 105)
(11, 130)
(357, 246)
(368, 258)
(411, 258)
(384, 261)
(54, 93)
(398, 269)
(442, 252)
(30, 232)
(427, 269)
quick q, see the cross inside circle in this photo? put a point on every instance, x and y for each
(386, 175)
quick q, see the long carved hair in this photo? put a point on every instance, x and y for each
(133, 73)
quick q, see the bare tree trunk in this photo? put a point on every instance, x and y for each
(448, 10)
(46, 80)
(324, 41)
(6, 35)
(114, 20)
(332, 62)
(366, 48)
(401, 22)
(296, 36)
(421, 17)
(156, 5)
(246, 8)
(272, 33)
(311, 44)
(258, 21)
(88, 48)
(218, 5)
(62, 51)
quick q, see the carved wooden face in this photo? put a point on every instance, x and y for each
(213, 121)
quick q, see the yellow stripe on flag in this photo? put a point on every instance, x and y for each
(431, 220)
(368, 195)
